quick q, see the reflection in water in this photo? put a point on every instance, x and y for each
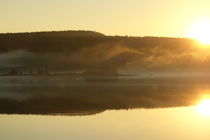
(204, 107)
(80, 97)
(169, 109)
(183, 123)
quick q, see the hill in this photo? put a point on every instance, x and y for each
(47, 41)
(87, 50)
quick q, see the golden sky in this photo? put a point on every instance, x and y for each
(112, 17)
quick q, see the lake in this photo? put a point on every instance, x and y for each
(52, 108)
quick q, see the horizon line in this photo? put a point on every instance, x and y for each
(78, 30)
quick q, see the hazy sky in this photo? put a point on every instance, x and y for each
(111, 17)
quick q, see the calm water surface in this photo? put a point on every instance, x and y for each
(52, 109)
(159, 124)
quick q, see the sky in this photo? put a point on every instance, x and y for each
(112, 17)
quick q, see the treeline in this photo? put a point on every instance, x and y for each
(87, 50)
(48, 41)
(75, 40)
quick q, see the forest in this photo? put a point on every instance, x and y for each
(88, 50)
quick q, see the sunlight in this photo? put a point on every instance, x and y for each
(204, 107)
(201, 31)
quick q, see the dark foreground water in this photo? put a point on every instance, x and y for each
(51, 108)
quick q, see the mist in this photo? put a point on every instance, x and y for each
(79, 50)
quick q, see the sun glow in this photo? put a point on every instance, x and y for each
(204, 107)
(201, 31)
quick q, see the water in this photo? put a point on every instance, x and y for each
(160, 124)
(54, 108)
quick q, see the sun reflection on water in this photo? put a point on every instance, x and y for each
(204, 107)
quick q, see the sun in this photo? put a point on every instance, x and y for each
(204, 107)
(201, 31)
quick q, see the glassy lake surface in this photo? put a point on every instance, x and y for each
(52, 108)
